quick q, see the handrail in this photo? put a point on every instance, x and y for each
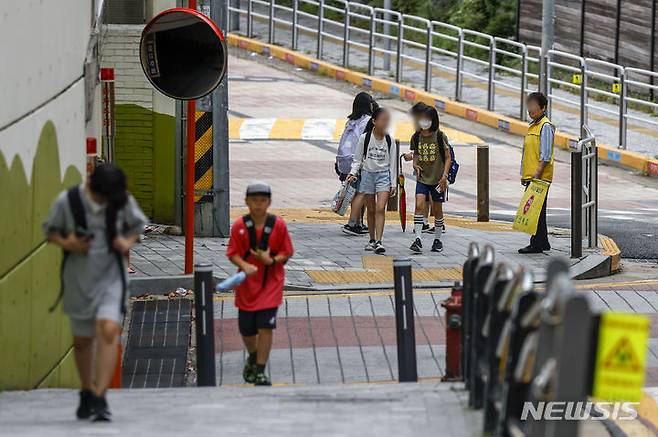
(587, 76)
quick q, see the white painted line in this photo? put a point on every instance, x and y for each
(256, 128)
(319, 129)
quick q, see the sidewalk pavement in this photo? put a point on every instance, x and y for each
(377, 410)
(325, 256)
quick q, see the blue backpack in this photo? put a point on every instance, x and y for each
(454, 166)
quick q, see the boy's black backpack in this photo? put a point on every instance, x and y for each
(264, 242)
(80, 220)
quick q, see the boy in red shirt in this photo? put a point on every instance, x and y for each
(259, 245)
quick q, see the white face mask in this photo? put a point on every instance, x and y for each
(425, 123)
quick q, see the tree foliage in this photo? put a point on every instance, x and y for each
(496, 17)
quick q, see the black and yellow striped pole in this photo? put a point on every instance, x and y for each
(203, 156)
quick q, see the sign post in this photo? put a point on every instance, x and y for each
(183, 54)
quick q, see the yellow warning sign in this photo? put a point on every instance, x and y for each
(621, 357)
(616, 87)
(577, 79)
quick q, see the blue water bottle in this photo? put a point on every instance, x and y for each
(231, 282)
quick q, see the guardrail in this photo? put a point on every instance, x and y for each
(584, 192)
(523, 348)
(463, 53)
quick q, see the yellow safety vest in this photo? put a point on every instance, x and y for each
(531, 150)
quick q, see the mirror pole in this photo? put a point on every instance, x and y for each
(189, 178)
(220, 140)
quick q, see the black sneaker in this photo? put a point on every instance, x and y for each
(443, 229)
(437, 246)
(379, 248)
(351, 230)
(362, 229)
(370, 246)
(529, 249)
(416, 246)
(427, 229)
(262, 379)
(101, 410)
(249, 372)
(85, 409)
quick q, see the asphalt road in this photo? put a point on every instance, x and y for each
(635, 232)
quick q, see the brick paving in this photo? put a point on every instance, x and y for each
(351, 338)
(331, 339)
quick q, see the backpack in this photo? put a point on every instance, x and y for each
(80, 220)
(366, 142)
(454, 165)
(263, 244)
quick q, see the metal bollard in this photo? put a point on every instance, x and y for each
(477, 315)
(576, 203)
(483, 183)
(204, 324)
(404, 321)
(468, 271)
(502, 282)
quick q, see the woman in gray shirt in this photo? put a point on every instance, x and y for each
(95, 224)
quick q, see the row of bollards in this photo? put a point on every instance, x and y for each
(404, 321)
(520, 345)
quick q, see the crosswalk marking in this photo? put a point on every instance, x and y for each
(327, 129)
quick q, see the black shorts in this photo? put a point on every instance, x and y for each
(250, 322)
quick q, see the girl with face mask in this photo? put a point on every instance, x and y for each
(431, 160)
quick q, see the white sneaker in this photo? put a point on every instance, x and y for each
(379, 247)
(370, 247)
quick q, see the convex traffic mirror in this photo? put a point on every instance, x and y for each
(183, 53)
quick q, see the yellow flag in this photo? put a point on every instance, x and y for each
(527, 216)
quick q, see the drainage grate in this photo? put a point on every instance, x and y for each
(159, 335)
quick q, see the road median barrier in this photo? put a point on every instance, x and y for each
(624, 158)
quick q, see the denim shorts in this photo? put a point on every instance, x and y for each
(431, 191)
(372, 183)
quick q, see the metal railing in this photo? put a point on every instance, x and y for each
(466, 54)
(520, 345)
(584, 192)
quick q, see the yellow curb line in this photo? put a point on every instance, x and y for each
(610, 248)
(608, 153)
(648, 410)
(325, 216)
(619, 284)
